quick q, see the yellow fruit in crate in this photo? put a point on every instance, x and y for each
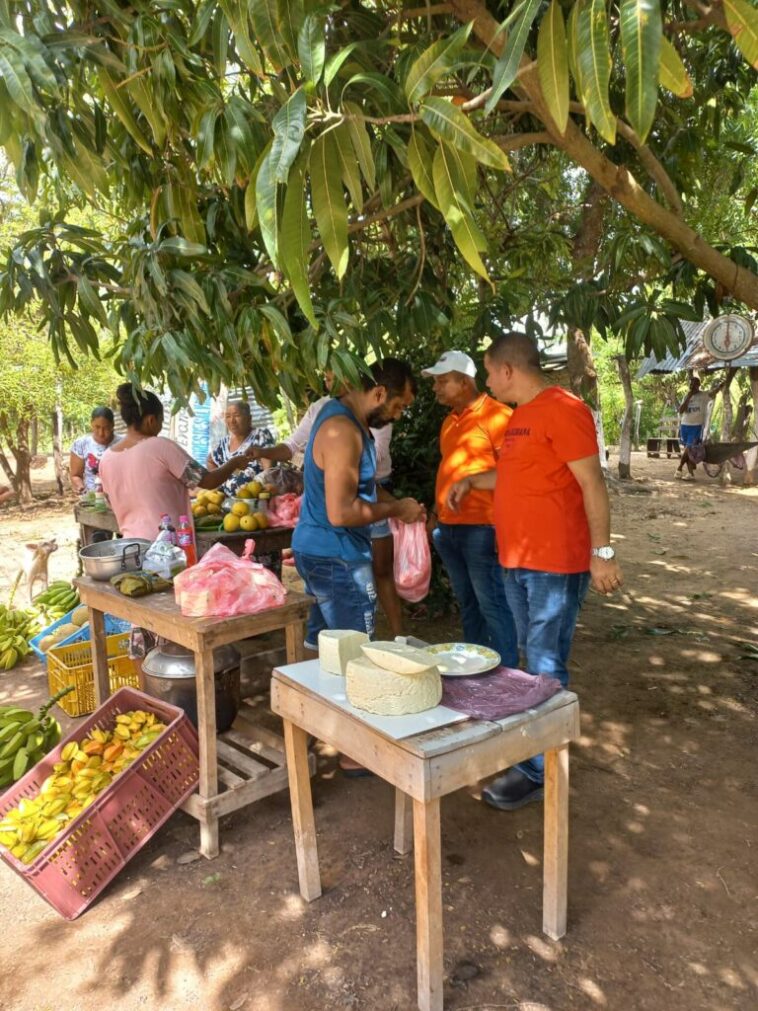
(240, 509)
(244, 492)
(255, 488)
(217, 497)
(213, 509)
(199, 510)
(248, 523)
(231, 523)
(262, 520)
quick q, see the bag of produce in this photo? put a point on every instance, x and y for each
(284, 478)
(413, 560)
(224, 585)
(284, 510)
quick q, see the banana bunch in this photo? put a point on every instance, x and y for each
(58, 599)
(26, 738)
(84, 770)
(16, 627)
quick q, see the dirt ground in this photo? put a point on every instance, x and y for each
(663, 845)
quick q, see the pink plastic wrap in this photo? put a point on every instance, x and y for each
(413, 560)
(224, 585)
(284, 510)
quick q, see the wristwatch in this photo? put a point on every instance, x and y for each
(606, 553)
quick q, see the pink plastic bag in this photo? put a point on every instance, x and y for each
(413, 560)
(284, 510)
(224, 585)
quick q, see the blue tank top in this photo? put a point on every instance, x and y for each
(314, 534)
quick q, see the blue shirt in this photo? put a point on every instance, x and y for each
(314, 534)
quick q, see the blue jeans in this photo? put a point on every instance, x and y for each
(545, 607)
(469, 554)
(345, 595)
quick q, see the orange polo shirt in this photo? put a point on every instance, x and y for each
(470, 443)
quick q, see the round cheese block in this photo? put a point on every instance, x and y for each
(390, 693)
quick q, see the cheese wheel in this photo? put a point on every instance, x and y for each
(337, 646)
(389, 693)
(398, 657)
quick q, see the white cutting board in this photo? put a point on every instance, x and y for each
(332, 687)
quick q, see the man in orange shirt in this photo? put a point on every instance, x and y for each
(553, 524)
(470, 438)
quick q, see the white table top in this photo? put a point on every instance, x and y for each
(332, 688)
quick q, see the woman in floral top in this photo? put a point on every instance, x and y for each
(242, 438)
(88, 449)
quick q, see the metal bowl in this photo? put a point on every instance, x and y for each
(109, 558)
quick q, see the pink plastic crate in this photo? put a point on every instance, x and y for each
(72, 871)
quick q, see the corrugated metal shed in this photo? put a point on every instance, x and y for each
(695, 356)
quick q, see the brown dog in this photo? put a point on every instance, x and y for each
(35, 564)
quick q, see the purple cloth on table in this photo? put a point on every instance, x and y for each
(502, 693)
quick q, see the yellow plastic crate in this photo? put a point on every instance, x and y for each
(72, 665)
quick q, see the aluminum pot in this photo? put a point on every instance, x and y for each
(169, 674)
(109, 558)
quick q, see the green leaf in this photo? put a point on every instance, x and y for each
(236, 15)
(295, 239)
(121, 107)
(457, 213)
(150, 108)
(361, 143)
(572, 45)
(594, 61)
(672, 73)
(552, 64)
(186, 283)
(251, 202)
(89, 300)
(335, 62)
(266, 29)
(507, 64)
(205, 137)
(289, 129)
(328, 201)
(435, 62)
(452, 125)
(176, 246)
(351, 175)
(742, 20)
(641, 34)
(311, 48)
(266, 201)
(17, 81)
(420, 164)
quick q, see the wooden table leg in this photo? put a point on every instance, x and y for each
(99, 656)
(206, 729)
(294, 634)
(303, 823)
(554, 890)
(403, 823)
(428, 864)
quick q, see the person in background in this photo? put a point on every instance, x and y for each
(693, 411)
(145, 476)
(87, 450)
(6, 493)
(241, 437)
(470, 440)
(552, 520)
(382, 552)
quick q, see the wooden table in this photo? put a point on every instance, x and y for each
(235, 758)
(91, 520)
(423, 769)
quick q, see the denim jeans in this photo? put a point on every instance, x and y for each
(345, 595)
(469, 554)
(545, 607)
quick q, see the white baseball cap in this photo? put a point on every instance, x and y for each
(452, 361)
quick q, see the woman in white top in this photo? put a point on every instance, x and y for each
(87, 450)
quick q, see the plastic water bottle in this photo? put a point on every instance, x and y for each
(166, 530)
(99, 504)
(185, 536)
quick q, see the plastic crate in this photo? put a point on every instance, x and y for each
(72, 665)
(112, 627)
(75, 867)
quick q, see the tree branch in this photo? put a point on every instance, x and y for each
(515, 141)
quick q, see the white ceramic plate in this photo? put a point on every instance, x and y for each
(461, 659)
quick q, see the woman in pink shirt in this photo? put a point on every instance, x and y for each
(145, 476)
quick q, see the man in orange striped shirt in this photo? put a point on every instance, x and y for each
(470, 440)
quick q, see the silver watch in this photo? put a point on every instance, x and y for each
(606, 553)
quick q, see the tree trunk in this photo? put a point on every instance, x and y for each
(23, 477)
(616, 180)
(35, 436)
(625, 441)
(57, 419)
(727, 415)
(751, 457)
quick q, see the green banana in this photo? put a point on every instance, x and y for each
(9, 730)
(20, 763)
(10, 747)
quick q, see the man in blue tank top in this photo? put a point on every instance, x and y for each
(332, 541)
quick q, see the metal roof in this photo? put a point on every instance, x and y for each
(695, 356)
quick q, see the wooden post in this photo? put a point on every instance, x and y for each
(554, 889)
(303, 823)
(403, 823)
(294, 635)
(206, 726)
(99, 656)
(428, 863)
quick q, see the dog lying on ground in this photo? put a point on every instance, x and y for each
(34, 565)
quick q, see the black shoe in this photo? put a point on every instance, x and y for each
(512, 791)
